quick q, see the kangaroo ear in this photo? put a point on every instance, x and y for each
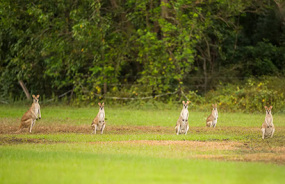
(103, 104)
(183, 102)
(265, 107)
(216, 105)
(188, 102)
(213, 105)
(38, 96)
(33, 96)
(99, 104)
(270, 107)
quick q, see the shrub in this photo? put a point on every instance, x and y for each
(252, 96)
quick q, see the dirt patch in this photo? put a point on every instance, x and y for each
(263, 157)
(193, 145)
(222, 150)
(64, 128)
(7, 128)
(14, 140)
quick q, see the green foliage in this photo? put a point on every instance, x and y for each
(252, 96)
(136, 48)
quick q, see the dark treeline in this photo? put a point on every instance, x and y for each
(137, 47)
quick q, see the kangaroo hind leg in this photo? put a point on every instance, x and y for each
(32, 124)
(95, 128)
(263, 132)
(103, 127)
(273, 130)
(178, 130)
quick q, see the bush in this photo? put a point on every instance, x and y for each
(252, 96)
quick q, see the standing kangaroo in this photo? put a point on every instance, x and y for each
(99, 121)
(267, 127)
(29, 118)
(212, 120)
(182, 125)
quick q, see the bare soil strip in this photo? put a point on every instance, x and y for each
(191, 145)
(6, 128)
(64, 128)
(15, 140)
(260, 157)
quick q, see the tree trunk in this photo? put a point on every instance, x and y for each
(25, 89)
(105, 88)
(164, 9)
(205, 75)
(281, 10)
(114, 4)
(71, 95)
(209, 58)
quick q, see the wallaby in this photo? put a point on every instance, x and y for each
(212, 120)
(182, 125)
(29, 118)
(99, 121)
(267, 127)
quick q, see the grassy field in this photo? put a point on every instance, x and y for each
(139, 146)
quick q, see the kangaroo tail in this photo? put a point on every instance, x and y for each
(19, 130)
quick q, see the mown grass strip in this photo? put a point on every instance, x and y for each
(69, 163)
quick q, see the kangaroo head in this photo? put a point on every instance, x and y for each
(36, 98)
(215, 107)
(268, 109)
(101, 106)
(185, 105)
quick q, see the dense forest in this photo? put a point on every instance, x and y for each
(138, 48)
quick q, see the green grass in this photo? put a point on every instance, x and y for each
(126, 116)
(86, 163)
(118, 157)
(71, 137)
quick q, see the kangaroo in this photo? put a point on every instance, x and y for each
(99, 121)
(212, 120)
(29, 118)
(182, 125)
(267, 127)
